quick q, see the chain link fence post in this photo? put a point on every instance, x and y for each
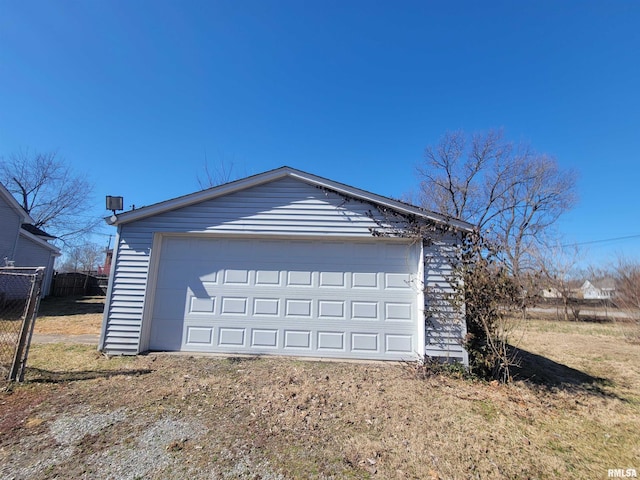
(20, 290)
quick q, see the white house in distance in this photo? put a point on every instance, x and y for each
(288, 263)
(602, 290)
(21, 243)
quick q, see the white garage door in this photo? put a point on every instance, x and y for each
(295, 297)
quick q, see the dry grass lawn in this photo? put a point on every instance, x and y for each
(159, 416)
(70, 316)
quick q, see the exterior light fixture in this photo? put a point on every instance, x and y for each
(114, 203)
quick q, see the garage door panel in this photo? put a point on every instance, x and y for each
(236, 277)
(332, 279)
(269, 307)
(363, 310)
(231, 337)
(209, 276)
(199, 336)
(297, 339)
(395, 343)
(328, 340)
(364, 342)
(397, 281)
(299, 297)
(268, 278)
(175, 272)
(365, 280)
(299, 279)
(398, 312)
(298, 308)
(205, 305)
(331, 309)
(233, 306)
(261, 337)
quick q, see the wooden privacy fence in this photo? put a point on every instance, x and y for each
(19, 300)
(78, 284)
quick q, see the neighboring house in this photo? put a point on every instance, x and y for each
(21, 243)
(34, 250)
(287, 263)
(600, 290)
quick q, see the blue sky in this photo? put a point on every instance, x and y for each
(136, 93)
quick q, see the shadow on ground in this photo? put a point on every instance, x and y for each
(62, 306)
(546, 373)
(37, 375)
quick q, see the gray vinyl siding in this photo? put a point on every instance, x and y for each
(445, 327)
(11, 223)
(285, 207)
(126, 295)
(30, 254)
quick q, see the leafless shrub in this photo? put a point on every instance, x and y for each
(489, 296)
(627, 296)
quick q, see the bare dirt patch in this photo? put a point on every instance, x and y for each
(83, 415)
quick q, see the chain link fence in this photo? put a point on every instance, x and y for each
(19, 301)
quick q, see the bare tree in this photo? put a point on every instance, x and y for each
(513, 194)
(52, 194)
(627, 295)
(530, 207)
(84, 257)
(219, 173)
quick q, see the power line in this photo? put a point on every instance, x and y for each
(601, 241)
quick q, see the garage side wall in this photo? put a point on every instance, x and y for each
(286, 207)
(125, 297)
(445, 327)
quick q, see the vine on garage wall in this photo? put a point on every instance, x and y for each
(480, 287)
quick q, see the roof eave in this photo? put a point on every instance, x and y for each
(269, 176)
(196, 197)
(400, 207)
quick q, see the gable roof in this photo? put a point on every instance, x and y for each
(13, 203)
(36, 231)
(279, 173)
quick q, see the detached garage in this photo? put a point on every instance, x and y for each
(285, 263)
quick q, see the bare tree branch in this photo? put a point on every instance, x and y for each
(84, 257)
(221, 172)
(50, 192)
(512, 194)
(627, 277)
